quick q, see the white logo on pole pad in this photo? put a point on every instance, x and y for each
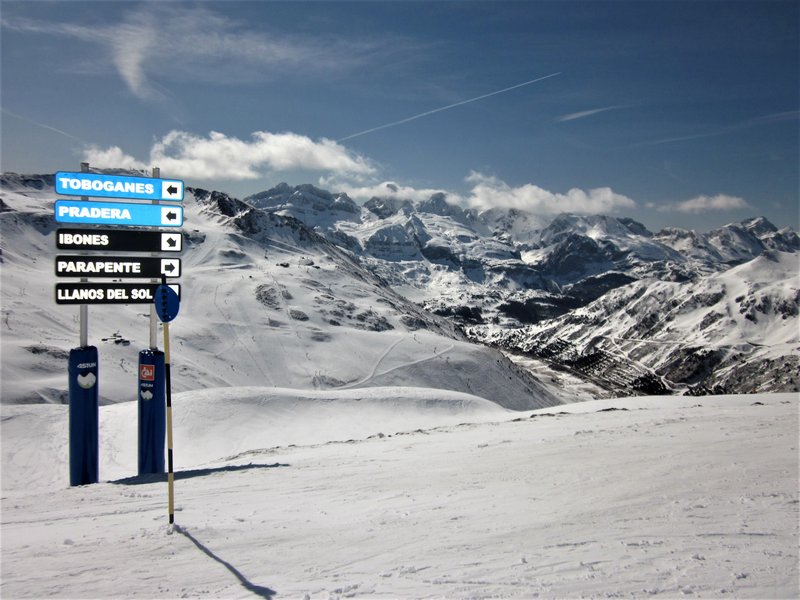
(147, 395)
(87, 381)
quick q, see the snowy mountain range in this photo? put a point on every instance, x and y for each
(299, 287)
(694, 311)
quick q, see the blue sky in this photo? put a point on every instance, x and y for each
(674, 113)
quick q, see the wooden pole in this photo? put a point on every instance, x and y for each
(170, 468)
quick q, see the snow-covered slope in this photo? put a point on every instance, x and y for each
(660, 497)
(266, 302)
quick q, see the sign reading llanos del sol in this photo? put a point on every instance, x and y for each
(108, 293)
(117, 186)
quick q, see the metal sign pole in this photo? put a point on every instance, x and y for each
(83, 311)
(153, 317)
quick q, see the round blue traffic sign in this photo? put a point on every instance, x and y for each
(167, 303)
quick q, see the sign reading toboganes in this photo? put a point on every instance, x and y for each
(117, 186)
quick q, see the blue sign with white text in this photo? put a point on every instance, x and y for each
(117, 186)
(118, 213)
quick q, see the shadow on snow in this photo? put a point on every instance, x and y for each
(189, 473)
(259, 590)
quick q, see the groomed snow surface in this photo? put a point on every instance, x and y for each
(411, 493)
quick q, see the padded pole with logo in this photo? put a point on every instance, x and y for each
(150, 399)
(152, 413)
(83, 416)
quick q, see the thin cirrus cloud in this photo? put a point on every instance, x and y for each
(704, 204)
(202, 45)
(223, 157)
(781, 117)
(588, 113)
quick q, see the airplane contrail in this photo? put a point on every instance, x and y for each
(449, 106)
(42, 125)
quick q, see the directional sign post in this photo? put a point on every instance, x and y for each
(125, 202)
(116, 186)
(118, 213)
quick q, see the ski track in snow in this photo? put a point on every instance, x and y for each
(666, 497)
(397, 367)
(378, 361)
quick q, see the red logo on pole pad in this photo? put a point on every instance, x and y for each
(147, 372)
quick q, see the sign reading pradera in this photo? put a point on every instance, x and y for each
(118, 213)
(118, 186)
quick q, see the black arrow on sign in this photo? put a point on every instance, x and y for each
(171, 242)
(169, 268)
(171, 216)
(172, 190)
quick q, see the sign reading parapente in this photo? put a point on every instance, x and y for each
(119, 240)
(108, 293)
(118, 213)
(117, 266)
(117, 186)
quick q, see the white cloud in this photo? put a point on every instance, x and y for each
(112, 158)
(703, 204)
(385, 189)
(490, 192)
(218, 156)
